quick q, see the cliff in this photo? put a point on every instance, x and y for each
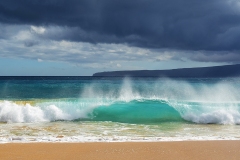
(201, 72)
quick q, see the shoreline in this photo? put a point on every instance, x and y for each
(63, 139)
(223, 149)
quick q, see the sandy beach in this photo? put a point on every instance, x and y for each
(123, 150)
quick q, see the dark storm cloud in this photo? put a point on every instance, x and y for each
(193, 25)
(30, 43)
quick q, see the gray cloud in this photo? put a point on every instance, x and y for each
(211, 27)
(215, 57)
(30, 43)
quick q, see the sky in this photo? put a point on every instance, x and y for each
(81, 37)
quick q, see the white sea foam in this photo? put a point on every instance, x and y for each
(126, 93)
(167, 89)
(83, 139)
(12, 112)
(45, 112)
(217, 117)
(113, 132)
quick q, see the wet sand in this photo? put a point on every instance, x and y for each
(202, 150)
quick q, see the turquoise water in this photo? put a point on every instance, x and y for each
(118, 109)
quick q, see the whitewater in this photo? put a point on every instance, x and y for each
(96, 109)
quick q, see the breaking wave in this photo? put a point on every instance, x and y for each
(155, 102)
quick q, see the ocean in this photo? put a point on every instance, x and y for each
(116, 109)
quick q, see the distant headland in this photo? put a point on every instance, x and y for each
(200, 72)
